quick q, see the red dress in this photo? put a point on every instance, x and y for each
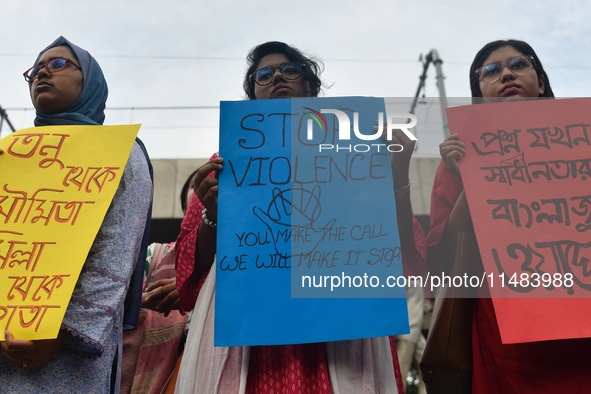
(529, 368)
(292, 369)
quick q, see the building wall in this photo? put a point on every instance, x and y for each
(169, 177)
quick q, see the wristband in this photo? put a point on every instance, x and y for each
(206, 219)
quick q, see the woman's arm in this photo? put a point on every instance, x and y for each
(196, 243)
(102, 286)
(412, 237)
(449, 208)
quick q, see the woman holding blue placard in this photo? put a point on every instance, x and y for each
(503, 70)
(277, 70)
(67, 87)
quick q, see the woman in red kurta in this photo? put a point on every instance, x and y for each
(505, 70)
(370, 366)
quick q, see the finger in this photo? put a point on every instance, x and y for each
(452, 145)
(151, 287)
(449, 145)
(155, 297)
(454, 154)
(169, 300)
(398, 134)
(384, 135)
(205, 170)
(163, 297)
(455, 144)
(210, 201)
(17, 345)
(177, 306)
(159, 283)
(452, 139)
(150, 304)
(7, 337)
(204, 188)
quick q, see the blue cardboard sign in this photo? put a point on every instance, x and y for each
(308, 247)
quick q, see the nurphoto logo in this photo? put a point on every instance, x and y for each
(344, 130)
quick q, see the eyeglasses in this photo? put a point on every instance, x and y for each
(52, 66)
(290, 71)
(519, 65)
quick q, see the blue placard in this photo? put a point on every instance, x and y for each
(307, 230)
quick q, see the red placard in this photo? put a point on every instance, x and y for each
(527, 177)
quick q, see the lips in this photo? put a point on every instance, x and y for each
(510, 88)
(43, 85)
(280, 87)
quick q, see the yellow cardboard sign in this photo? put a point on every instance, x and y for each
(56, 184)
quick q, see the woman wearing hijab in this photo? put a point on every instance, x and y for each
(67, 87)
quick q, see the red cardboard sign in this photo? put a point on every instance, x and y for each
(527, 178)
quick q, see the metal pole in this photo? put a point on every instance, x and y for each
(421, 82)
(442, 96)
(4, 117)
(433, 56)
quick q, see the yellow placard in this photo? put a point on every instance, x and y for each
(57, 183)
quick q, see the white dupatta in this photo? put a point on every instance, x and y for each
(361, 366)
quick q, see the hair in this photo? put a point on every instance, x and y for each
(185, 190)
(311, 72)
(522, 47)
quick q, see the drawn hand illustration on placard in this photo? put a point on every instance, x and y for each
(292, 216)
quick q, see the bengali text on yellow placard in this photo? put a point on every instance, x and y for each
(56, 184)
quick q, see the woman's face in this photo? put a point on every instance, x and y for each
(53, 93)
(279, 86)
(510, 86)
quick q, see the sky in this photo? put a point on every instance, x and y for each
(169, 64)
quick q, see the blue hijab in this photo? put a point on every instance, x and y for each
(89, 107)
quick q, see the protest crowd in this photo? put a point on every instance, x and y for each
(170, 318)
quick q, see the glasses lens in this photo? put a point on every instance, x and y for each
(32, 73)
(519, 65)
(490, 72)
(56, 64)
(264, 75)
(291, 70)
(53, 66)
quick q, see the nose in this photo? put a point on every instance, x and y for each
(278, 75)
(45, 71)
(506, 73)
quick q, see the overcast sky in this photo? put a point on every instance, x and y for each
(191, 53)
